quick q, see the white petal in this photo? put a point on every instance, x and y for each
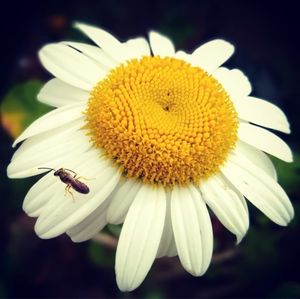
(222, 74)
(140, 236)
(161, 45)
(263, 113)
(105, 40)
(47, 154)
(183, 55)
(53, 136)
(259, 188)
(137, 48)
(91, 225)
(192, 229)
(205, 229)
(265, 141)
(234, 82)
(61, 214)
(122, 200)
(186, 230)
(212, 54)
(257, 157)
(54, 119)
(105, 61)
(71, 66)
(239, 159)
(239, 78)
(167, 245)
(226, 205)
(39, 194)
(58, 93)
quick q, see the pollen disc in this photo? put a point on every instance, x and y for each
(162, 121)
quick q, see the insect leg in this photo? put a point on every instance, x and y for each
(67, 190)
(70, 170)
(81, 177)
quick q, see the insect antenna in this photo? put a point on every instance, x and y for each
(46, 168)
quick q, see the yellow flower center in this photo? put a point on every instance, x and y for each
(162, 120)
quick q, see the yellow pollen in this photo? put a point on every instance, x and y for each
(162, 121)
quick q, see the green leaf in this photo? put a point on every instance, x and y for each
(114, 229)
(154, 294)
(288, 173)
(20, 107)
(100, 255)
(260, 248)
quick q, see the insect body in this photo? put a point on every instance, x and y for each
(70, 178)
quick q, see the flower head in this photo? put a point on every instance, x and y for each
(163, 135)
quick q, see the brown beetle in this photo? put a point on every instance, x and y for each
(69, 177)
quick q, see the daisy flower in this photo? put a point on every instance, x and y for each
(165, 135)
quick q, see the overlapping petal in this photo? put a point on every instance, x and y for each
(106, 41)
(263, 113)
(122, 200)
(227, 205)
(192, 229)
(212, 54)
(161, 45)
(259, 188)
(167, 246)
(71, 66)
(57, 93)
(140, 237)
(265, 141)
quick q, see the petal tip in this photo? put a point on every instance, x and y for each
(78, 25)
(239, 239)
(42, 51)
(291, 212)
(284, 224)
(226, 44)
(231, 47)
(42, 233)
(81, 26)
(125, 287)
(153, 32)
(289, 158)
(26, 209)
(75, 240)
(9, 171)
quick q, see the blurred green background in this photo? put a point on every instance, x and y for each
(266, 35)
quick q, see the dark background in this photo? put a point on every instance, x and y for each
(265, 34)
